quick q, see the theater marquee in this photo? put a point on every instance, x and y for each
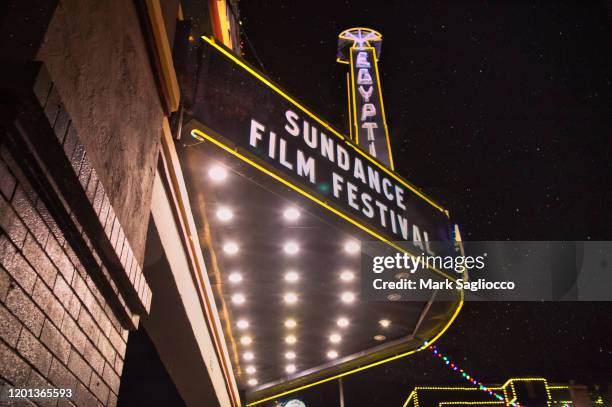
(251, 117)
(280, 217)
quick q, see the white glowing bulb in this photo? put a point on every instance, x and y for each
(230, 248)
(335, 338)
(347, 297)
(380, 338)
(347, 276)
(242, 324)
(291, 214)
(291, 298)
(246, 340)
(238, 299)
(291, 248)
(352, 247)
(290, 323)
(224, 214)
(235, 277)
(248, 356)
(342, 322)
(290, 368)
(290, 339)
(292, 276)
(250, 369)
(332, 354)
(289, 355)
(252, 382)
(384, 323)
(217, 173)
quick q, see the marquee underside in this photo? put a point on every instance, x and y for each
(260, 230)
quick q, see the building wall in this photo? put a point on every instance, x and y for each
(56, 327)
(97, 57)
(79, 145)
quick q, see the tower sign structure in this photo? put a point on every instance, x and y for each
(360, 48)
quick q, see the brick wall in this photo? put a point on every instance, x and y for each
(70, 286)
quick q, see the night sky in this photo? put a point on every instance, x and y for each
(502, 113)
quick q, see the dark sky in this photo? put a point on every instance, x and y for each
(501, 111)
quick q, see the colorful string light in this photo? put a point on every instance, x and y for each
(454, 367)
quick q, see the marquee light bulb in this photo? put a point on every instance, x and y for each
(235, 277)
(292, 276)
(290, 339)
(380, 338)
(224, 214)
(384, 323)
(248, 356)
(291, 298)
(250, 369)
(342, 322)
(290, 368)
(291, 214)
(289, 355)
(242, 324)
(246, 340)
(290, 323)
(347, 297)
(217, 173)
(252, 382)
(291, 248)
(352, 246)
(238, 299)
(332, 354)
(347, 276)
(335, 338)
(230, 248)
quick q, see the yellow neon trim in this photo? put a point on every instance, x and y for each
(365, 155)
(358, 28)
(201, 135)
(354, 99)
(348, 100)
(469, 403)
(382, 106)
(508, 384)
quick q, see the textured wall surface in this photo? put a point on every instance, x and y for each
(56, 328)
(96, 54)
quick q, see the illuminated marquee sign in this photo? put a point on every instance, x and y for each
(360, 47)
(250, 117)
(370, 128)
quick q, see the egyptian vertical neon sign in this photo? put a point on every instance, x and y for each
(360, 48)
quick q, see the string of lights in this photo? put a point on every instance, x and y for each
(454, 367)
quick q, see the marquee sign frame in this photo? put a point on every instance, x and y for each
(203, 133)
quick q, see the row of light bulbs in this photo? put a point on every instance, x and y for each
(225, 214)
